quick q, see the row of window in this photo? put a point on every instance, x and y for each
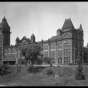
(66, 52)
(66, 60)
(52, 53)
(9, 50)
(9, 56)
(59, 46)
(66, 45)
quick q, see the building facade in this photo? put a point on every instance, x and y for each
(13, 54)
(66, 45)
(63, 48)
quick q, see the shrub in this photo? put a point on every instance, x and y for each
(48, 71)
(79, 74)
(3, 69)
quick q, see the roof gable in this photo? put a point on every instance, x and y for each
(56, 37)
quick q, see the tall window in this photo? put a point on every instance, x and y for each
(66, 52)
(60, 53)
(45, 53)
(59, 46)
(52, 54)
(52, 46)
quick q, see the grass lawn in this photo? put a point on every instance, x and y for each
(38, 78)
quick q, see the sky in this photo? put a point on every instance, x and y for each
(43, 19)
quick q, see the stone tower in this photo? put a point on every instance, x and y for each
(4, 35)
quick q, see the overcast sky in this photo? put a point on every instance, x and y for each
(44, 18)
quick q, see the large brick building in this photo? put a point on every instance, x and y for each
(66, 45)
(63, 48)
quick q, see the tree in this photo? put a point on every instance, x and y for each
(3, 69)
(79, 70)
(48, 60)
(32, 53)
(78, 59)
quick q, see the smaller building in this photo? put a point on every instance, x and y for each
(13, 54)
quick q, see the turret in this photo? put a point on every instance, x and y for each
(17, 40)
(4, 25)
(80, 28)
(32, 38)
(59, 32)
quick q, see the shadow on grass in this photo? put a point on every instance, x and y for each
(34, 70)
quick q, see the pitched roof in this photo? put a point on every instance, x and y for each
(24, 38)
(67, 24)
(56, 37)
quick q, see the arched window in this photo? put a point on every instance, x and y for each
(45, 53)
(45, 46)
(52, 46)
(60, 60)
(52, 54)
(59, 46)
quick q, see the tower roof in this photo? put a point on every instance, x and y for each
(17, 39)
(32, 35)
(80, 28)
(68, 24)
(4, 23)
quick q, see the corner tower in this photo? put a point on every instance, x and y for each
(4, 35)
(5, 29)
